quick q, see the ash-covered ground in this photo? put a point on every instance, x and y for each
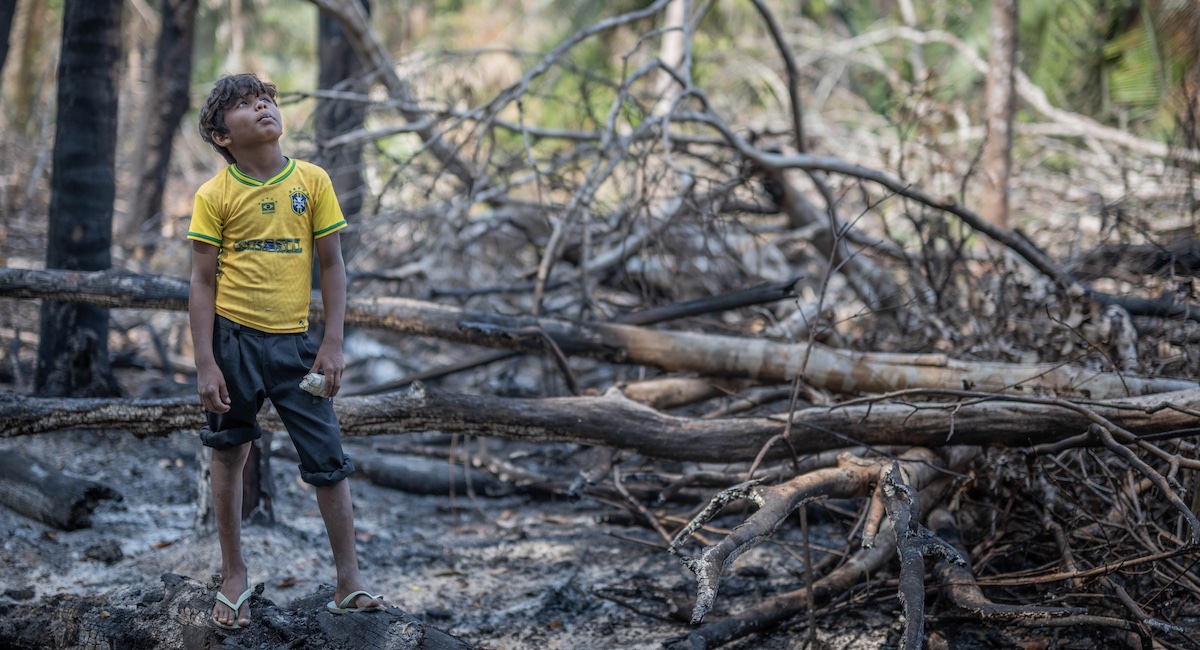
(500, 572)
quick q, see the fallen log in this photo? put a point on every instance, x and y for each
(177, 617)
(45, 494)
(420, 475)
(613, 420)
(839, 371)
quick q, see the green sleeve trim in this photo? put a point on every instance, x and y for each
(325, 231)
(206, 238)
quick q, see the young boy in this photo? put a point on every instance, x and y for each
(254, 229)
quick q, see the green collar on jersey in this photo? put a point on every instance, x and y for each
(247, 179)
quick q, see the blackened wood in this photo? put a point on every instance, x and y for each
(45, 494)
(172, 74)
(177, 616)
(421, 475)
(73, 347)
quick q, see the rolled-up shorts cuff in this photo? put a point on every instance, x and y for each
(321, 479)
(229, 438)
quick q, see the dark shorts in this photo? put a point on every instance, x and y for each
(259, 366)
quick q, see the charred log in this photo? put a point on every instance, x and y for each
(45, 494)
(178, 616)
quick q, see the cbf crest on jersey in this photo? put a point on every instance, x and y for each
(299, 202)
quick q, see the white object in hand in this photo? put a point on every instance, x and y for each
(314, 383)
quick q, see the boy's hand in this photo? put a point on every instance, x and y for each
(330, 363)
(214, 394)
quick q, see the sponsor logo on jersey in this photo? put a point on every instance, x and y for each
(289, 246)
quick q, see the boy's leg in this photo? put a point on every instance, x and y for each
(313, 427)
(338, 513)
(226, 480)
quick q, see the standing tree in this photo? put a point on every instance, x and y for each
(997, 150)
(73, 353)
(340, 69)
(172, 71)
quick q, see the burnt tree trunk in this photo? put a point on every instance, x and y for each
(73, 349)
(340, 69)
(45, 494)
(172, 71)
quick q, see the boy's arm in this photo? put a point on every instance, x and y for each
(202, 315)
(333, 297)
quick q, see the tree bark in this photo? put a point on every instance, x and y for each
(614, 421)
(340, 67)
(45, 494)
(172, 72)
(73, 349)
(836, 370)
(996, 161)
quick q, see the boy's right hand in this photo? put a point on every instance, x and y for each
(214, 395)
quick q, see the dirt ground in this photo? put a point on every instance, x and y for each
(515, 571)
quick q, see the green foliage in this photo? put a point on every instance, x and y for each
(1143, 73)
(1060, 41)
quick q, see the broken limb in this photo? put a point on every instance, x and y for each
(852, 478)
(913, 542)
(770, 612)
(615, 421)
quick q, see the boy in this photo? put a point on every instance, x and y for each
(253, 231)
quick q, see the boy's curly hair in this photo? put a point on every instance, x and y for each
(227, 90)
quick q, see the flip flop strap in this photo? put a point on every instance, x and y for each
(349, 599)
(236, 607)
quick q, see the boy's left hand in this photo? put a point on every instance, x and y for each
(330, 363)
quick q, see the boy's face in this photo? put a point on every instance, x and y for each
(252, 119)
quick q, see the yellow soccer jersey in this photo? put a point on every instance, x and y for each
(266, 232)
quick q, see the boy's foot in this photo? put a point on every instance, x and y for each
(356, 601)
(229, 613)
